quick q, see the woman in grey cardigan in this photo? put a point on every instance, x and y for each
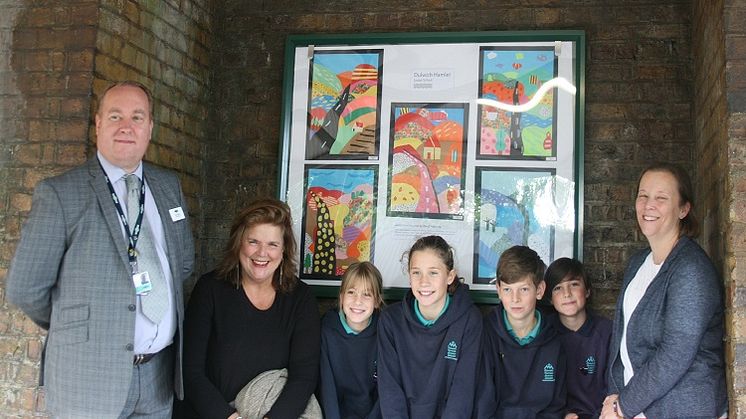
(667, 345)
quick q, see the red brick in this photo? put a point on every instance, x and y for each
(36, 60)
(71, 154)
(38, 17)
(9, 348)
(4, 321)
(20, 202)
(12, 228)
(28, 154)
(33, 350)
(41, 401)
(80, 60)
(85, 14)
(74, 107)
(74, 129)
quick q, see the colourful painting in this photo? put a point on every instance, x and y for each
(338, 220)
(344, 104)
(512, 76)
(513, 207)
(426, 160)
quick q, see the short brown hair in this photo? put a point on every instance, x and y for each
(518, 262)
(130, 83)
(369, 275)
(263, 211)
(689, 225)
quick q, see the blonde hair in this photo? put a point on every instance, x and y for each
(367, 274)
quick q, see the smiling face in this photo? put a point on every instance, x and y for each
(429, 278)
(569, 297)
(519, 298)
(261, 253)
(659, 208)
(124, 126)
(358, 304)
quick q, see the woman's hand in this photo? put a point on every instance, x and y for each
(611, 408)
(235, 415)
(571, 416)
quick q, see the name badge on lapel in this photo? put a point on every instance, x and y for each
(177, 214)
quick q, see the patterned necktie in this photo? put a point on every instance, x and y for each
(155, 303)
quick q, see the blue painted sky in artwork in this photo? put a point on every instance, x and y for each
(530, 61)
(339, 63)
(345, 180)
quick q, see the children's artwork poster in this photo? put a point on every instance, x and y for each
(426, 160)
(513, 207)
(512, 76)
(339, 219)
(372, 160)
(344, 96)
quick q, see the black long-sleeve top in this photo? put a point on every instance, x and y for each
(228, 342)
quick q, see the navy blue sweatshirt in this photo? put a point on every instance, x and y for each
(521, 382)
(429, 372)
(348, 370)
(587, 359)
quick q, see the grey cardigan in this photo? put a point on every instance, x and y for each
(674, 340)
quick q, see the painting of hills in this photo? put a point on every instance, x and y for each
(344, 104)
(426, 160)
(512, 76)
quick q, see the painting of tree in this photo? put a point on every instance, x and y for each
(339, 219)
(513, 207)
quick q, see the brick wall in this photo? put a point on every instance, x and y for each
(734, 28)
(639, 91)
(719, 51)
(54, 58)
(47, 70)
(644, 103)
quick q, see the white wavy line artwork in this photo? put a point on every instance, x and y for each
(558, 82)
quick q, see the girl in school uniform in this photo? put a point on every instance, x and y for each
(429, 343)
(348, 384)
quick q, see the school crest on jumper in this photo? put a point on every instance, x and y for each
(452, 351)
(548, 373)
(590, 365)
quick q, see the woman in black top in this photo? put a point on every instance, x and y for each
(250, 315)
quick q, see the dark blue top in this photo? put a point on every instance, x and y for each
(587, 351)
(521, 382)
(429, 372)
(348, 376)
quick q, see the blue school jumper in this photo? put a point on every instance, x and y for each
(429, 371)
(348, 378)
(587, 359)
(520, 381)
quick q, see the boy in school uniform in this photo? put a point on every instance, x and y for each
(584, 335)
(523, 364)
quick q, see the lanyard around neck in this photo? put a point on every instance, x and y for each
(134, 234)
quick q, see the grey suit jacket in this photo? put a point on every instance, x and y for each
(70, 275)
(674, 339)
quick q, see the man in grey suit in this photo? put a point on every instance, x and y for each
(101, 266)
